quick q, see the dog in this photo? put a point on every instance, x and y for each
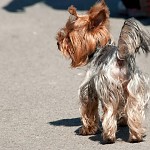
(112, 77)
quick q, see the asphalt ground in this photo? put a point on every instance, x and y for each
(39, 105)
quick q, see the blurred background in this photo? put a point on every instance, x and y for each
(136, 8)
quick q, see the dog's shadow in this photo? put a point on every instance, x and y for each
(67, 122)
(122, 133)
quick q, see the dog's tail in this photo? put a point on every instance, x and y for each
(133, 36)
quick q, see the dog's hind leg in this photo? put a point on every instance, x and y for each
(135, 114)
(109, 123)
(136, 101)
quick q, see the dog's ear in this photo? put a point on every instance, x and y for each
(98, 15)
(72, 10)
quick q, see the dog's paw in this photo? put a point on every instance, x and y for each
(133, 139)
(109, 140)
(89, 130)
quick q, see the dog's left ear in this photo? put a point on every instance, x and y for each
(72, 10)
(98, 15)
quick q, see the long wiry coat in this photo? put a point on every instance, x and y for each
(115, 80)
(112, 77)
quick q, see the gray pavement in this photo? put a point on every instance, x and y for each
(39, 106)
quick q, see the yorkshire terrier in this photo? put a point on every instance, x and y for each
(112, 76)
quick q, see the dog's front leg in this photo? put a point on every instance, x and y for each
(89, 110)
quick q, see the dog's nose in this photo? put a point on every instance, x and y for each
(58, 45)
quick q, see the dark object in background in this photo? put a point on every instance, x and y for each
(21, 5)
(132, 4)
(137, 8)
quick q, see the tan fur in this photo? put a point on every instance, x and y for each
(90, 116)
(112, 76)
(82, 33)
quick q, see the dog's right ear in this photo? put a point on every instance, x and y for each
(98, 15)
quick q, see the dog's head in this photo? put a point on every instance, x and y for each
(82, 33)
